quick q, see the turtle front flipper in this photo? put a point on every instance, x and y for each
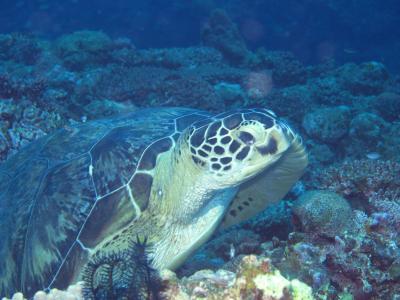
(124, 274)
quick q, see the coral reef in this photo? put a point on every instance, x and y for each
(337, 230)
(322, 213)
(286, 69)
(83, 49)
(341, 246)
(388, 105)
(368, 127)
(255, 278)
(363, 259)
(292, 102)
(327, 91)
(364, 79)
(23, 122)
(320, 154)
(222, 34)
(72, 74)
(74, 292)
(328, 124)
(19, 48)
(358, 180)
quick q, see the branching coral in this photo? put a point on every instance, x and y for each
(359, 180)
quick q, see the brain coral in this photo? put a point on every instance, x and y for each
(323, 213)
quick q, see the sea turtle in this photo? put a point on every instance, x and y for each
(168, 175)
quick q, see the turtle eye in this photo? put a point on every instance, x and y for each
(246, 138)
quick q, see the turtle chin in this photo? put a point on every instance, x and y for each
(181, 239)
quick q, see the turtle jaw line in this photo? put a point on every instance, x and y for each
(197, 200)
(188, 188)
(179, 240)
(193, 206)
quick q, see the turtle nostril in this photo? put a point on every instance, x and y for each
(246, 138)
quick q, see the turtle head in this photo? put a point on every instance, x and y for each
(211, 160)
(237, 146)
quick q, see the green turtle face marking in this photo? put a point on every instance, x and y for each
(194, 184)
(170, 176)
(236, 147)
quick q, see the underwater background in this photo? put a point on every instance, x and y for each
(330, 68)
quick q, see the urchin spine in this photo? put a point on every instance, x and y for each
(125, 274)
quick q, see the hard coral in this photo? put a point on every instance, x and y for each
(22, 122)
(391, 142)
(74, 292)
(222, 34)
(362, 262)
(19, 48)
(175, 58)
(255, 278)
(292, 102)
(388, 105)
(286, 70)
(17, 87)
(327, 90)
(366, 131)
(365, 79)
(322, 213)
(328, 124)
(201, 94)
(358, 180)
(387, 206)
(84, 48)
(155, 86)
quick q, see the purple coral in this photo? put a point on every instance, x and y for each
(358, 180)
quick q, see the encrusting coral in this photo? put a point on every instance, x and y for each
(255, 278)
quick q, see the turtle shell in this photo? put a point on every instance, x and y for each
(63, 194)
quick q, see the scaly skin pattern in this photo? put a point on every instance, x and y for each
(169, 176)
(190, 194)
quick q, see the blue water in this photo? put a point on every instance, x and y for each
(343, 30)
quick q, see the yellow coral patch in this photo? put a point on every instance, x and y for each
(273, 284)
